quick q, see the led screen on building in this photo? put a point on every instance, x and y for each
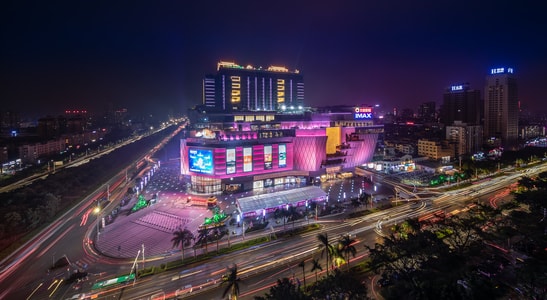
(230, 161)
(247, 159)
(267, 157)
(200, 161)
(282, 155)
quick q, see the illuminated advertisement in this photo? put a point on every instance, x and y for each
(267, 157)
(247, 159)
(362, 113)
(230, 161)
(457, 87)
(282, 155)
(200, 161)
(501, 70)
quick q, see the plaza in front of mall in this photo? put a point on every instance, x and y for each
(151, 228)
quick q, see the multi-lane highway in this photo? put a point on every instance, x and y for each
(26, 276)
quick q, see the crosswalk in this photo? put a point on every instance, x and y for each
(84, 263)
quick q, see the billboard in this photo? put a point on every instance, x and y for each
(267, 157)
(230, 161)
(363, 113)
(200, 161)
(247, 159)
(282, 155)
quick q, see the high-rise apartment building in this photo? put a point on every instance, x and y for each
(238, 88)
(467, 139)
(460, 103)
(501, 110)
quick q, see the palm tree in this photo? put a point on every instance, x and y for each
(232, 282)
(292, 214)
(302, 264)
(315, 265)
(337, 256)
(345, 244)
(182, 237)
(325, 247)
(203, 237)
(227, 231)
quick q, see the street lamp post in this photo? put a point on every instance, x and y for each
(98, 212)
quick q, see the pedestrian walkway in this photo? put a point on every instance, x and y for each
(163, 221)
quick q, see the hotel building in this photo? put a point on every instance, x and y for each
(460, 103)
(501, 109)
(238, 88)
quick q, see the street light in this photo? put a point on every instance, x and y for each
(97, 211)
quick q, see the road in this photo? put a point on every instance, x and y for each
(259, 267)
(26, 274)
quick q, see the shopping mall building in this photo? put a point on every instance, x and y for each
(226, 154)
(248, 147)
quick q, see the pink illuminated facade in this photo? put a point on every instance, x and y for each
(255, 150)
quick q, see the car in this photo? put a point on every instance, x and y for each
(78, 296)
(187, 289)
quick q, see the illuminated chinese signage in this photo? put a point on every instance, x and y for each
(363, 113)
(282, 155)
(267, 157)
(247, 159)
(230, 161)
(457, 87)
(501, 70)
(201, 161)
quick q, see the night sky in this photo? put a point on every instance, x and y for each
(151, 56)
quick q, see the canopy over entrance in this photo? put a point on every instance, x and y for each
(269, 202)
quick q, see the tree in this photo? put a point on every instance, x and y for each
(292, 214)
(285, 289)
(302, 264)
(325, 247)
(526, 182)
(182, 238)
(346, 247)
(203, 237)
(13, 219)
(232, 282)
(51, 205)
(315, 265)
(339, 285)
(227, 232)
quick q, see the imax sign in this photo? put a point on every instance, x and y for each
(358, 116)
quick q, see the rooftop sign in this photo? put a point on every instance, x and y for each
(501, 71)
(362, 113)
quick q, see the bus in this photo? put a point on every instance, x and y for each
(113, 281)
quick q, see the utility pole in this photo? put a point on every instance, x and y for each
(143, 256)
(134, 267)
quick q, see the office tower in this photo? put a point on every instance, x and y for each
(238, 88)
(501, 109)
(460, 103)
(426, 112)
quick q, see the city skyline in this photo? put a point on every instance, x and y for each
(152, 57)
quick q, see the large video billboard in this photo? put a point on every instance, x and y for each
(282, 155)
(247, 159)
(200, 161)
(230, 161)
(267, 157)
